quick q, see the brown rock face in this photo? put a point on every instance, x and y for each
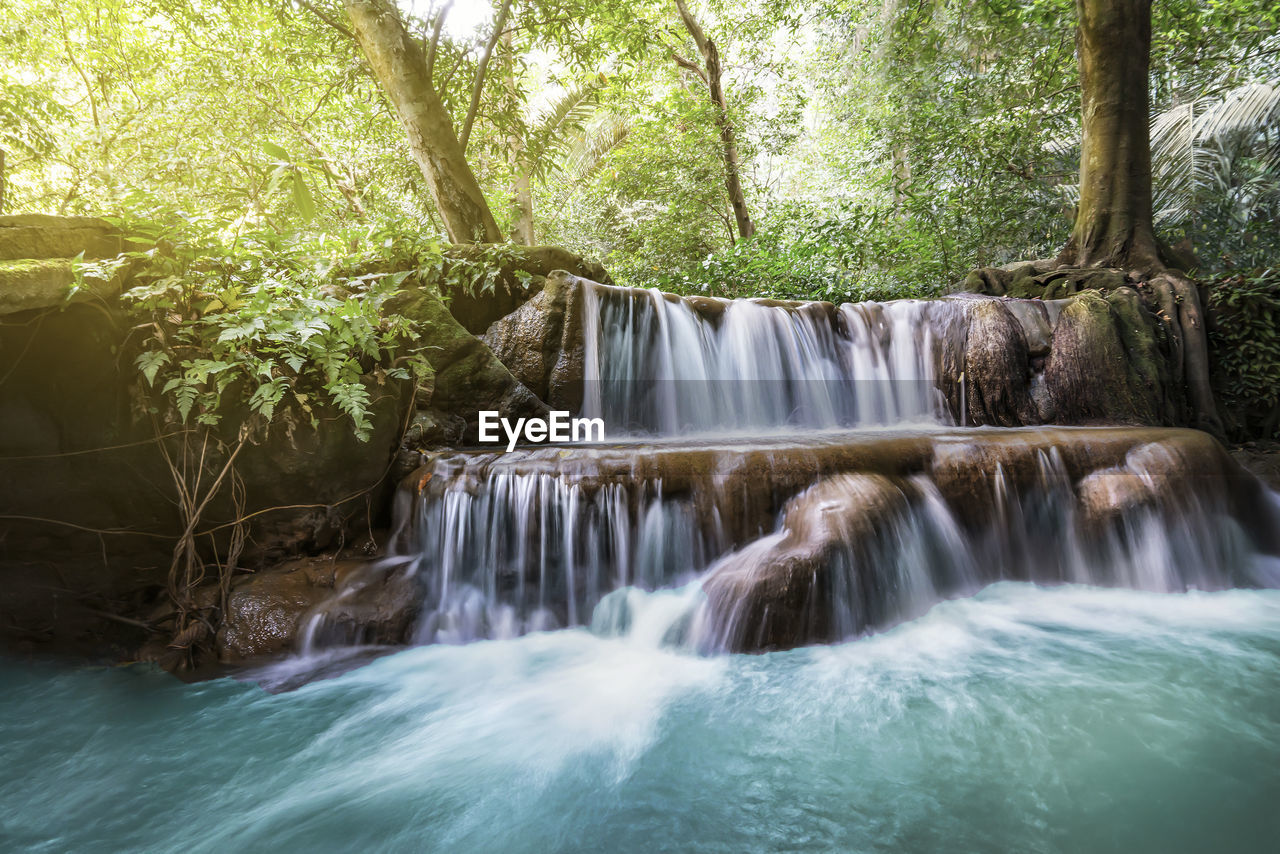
(1093, 374)
(341, 601)
(541, 342)
(770, 595)
(263, 610)
(997, 359)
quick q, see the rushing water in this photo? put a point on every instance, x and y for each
(1070, 718)
(655, 365)
(1052, 720)
(498, 545)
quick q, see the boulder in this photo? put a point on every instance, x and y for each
(1102, 369)
(468, 377)
(35, 236)
(263, 609)
(541, 342)
(774, 593)
(997, 368)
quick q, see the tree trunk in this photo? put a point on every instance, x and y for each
(522, 208)
(728, 139)
(522, 182)
(399, 65)
(1113, 225)
(1113, 222)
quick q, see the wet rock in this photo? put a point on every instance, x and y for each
(1096, 373)
(379, 608)
(997, 368)
(340, 602)
(1033, 319)
(1106, 497)
(541, 342)
(263, 610)
(468, 376)
(771, 594)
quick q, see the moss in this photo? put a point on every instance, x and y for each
(1147, 363)
(1096, 346)
(43, 236)
(30, 284)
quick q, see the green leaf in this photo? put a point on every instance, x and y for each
(302, 198)
(150, 363)
(275, 151)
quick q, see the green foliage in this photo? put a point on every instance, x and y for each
(1216, 164)
(264, 328)
(885, 147)
(1244, 339)
(806, 254)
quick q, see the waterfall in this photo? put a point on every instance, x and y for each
(780, 518)
(658, 364)
(796, 543)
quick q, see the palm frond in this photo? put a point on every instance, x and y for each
(553, 120)
(607, 130)
(1219, 149)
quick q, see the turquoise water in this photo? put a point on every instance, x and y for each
(1024, 719)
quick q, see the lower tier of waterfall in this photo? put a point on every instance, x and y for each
(790, 542)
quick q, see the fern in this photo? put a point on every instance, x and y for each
(264, 330)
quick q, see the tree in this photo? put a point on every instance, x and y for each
(711, 76)
(405, 74)
(1113, 226)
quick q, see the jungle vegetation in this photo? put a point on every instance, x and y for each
(830, 149)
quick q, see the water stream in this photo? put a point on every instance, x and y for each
(1028, 640)
(1023, 719)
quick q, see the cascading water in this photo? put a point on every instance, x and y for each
(1053, 716)
(790, 540)
(498, 545)
(655, 364)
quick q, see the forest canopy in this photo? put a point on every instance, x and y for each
(835, 149)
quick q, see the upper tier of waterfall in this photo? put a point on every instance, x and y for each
(657, 364)
(651, 364)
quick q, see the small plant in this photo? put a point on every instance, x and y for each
(1245, 340)
(258, 329)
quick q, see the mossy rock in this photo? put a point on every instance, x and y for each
(47, 236)
(468, 376)
(30, 284)
(1103, 368)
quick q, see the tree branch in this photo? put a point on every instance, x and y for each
(691, 24)
(499, 24)
(328, 19)
(435, 39)
(688, 65)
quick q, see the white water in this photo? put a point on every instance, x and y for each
(1056, 721)
(501, 545)
(654, 365)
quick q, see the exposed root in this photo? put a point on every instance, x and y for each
(187, 569)
(1167, 293)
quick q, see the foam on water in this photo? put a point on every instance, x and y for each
(1058, 720)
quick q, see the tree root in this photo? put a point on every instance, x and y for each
(1167, 293)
